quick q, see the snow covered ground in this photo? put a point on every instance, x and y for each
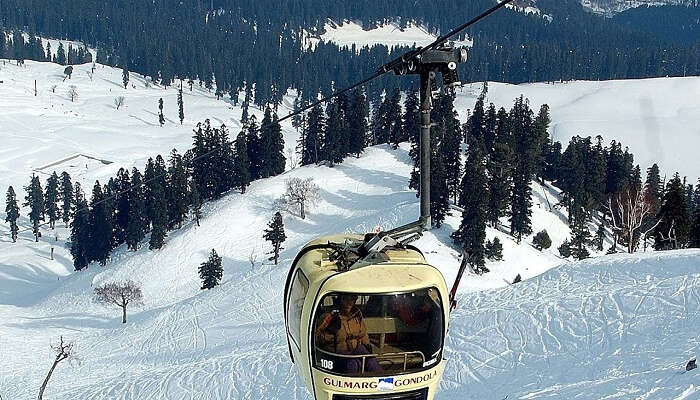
(623, 325)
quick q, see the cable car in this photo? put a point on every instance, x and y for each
(365, 315)
(374, 329)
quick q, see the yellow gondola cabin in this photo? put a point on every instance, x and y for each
(372, 327)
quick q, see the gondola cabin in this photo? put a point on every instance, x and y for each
(366, 326)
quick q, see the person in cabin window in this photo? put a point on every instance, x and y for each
(344, 332)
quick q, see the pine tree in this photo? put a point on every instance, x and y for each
(160, 218)
(520, 121)
(494, 250)
(542, 240)
(161, 117)
(310, 146)
(672, 231)
(177, 183)
(12, 212)
(694, 234)
(439, 192)
(473, 199)
(180, 105)
(195, 202)
(125, 76)
(51, 197)
(411, 130)
(149, 178)
(275, 235)
(580, 235)
(333, 136)
(271, 146)
(137, 221)
(100, 226)
(67, 198)
(211, 271)
(450, 144)
(357, 122)
(35, 201)
(394, 127)
(80, 230)
(241, 164)
(254, 150)
(600, 236)
(541, 140)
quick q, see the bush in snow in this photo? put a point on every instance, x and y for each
(118, 101)
(565, 249)
(542, 241)
(494, 250)
(72, 92)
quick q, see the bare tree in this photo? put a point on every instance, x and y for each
(119, 294)
(118, 101)
(252, 258)
(292, 157)
(64, 351)
(72, 92)
(53, 88)
(299, 194)
(629, 210)
(90, 74)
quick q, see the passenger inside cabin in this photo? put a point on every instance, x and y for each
(343, 331)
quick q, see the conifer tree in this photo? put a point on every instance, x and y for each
(541, 139)
(473, 199)
(275, 235)
(394, 123)
(336, 128)
(241, 164)
(149, 178)
(100, 226)
(524, 140)
(177, 183)
(493, 250)
(490, 130)
(195, 202)
(137, 221)
(125, 76)
(160, 218)
(580, 235)
(357, 122)
(211, 271)
(244, 114)
(450, 144)
(411, 130)
(271, 146)
(67, 198)
(600, 236)
(254, 150)
(12, 213)
(439, 193)
(672, 231)
(180, 105)
(694, 234)
(542, 240)
(51, 197)
(161, 117)
(35, 201)
(310, 146)
(80, 230)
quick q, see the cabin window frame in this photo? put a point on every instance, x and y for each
(296, 335)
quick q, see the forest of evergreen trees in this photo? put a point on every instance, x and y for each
(505, 151)
(261, 41)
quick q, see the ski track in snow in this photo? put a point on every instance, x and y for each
(611, 327)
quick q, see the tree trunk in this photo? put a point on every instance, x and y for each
(303, 213)
(46, 381)
(124, 314)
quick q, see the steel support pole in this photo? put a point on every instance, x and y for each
(425, 107)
